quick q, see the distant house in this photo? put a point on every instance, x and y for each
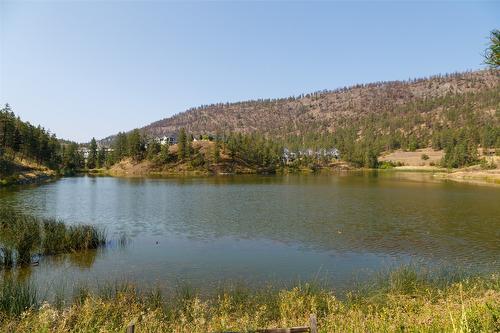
(334, 152)
(289, 156)
(84, 151)
(168, 140)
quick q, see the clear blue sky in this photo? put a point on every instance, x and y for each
(84, 69)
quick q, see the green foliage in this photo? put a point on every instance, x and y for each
(198, 160)
(217, 148)
(460, 149)
(153, 149)
(183, 145)
(254, 150)
(101, 158)
(136, 145)
(72, 159)
(165, 155)
(21, 139)
(386, 165)
(492, 53)
(120, 148)
(22, 235)
(16, 297)
(487, 165)
(92, 161)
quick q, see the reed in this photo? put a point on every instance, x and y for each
(6, 258)
(16, 298)
(23, 235)
(59, 238)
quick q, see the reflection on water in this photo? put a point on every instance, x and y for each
(256, 228)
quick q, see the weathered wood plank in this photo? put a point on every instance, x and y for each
(313, 323)
(302, 329)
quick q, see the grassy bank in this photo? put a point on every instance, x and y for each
(16, 171)
(403, 300)
(22, 236)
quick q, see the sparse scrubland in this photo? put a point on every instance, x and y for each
(403, 300)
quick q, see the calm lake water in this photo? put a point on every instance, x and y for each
(207, 231)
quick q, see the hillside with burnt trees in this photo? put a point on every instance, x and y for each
(323, 111)
(458, 112)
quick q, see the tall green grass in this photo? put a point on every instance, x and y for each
(16, 297)
(59, 238)
(23, 235)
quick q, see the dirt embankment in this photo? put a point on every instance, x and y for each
(24, 172)
(188, 167)
(429, 160)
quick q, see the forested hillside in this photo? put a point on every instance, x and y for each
(457, 112)
(25, 147)
(324, 110)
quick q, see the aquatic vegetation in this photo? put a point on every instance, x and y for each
(406, 301)
(16, 297)
(6, 258)
(23, 235)
(60, 238)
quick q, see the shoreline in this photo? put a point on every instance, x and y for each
(403, 298)
(33, 177)
(463, 175)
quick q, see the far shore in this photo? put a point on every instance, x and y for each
(472, 175)
(404, 161)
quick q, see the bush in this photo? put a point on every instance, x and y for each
(424, 157)
(386, 165)
(486, 165)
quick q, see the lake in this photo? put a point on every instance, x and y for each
(205, 232)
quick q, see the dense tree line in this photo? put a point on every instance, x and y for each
(21, 140)
(252, 150)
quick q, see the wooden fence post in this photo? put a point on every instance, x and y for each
(131, 328)
(313, 323)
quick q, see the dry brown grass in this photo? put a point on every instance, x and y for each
(414, 158)
(472, 305)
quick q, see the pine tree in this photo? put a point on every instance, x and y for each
(101, 158)
(182, 144)
(92, 158)
(120, 147)
(135, 145)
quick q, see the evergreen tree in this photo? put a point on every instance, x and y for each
(492, 54)
(101, 158)
(120, 147)
(165, 155)
(135, 145)
(92, 158)
(153, 150)
(72, 158)
(182, 145)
